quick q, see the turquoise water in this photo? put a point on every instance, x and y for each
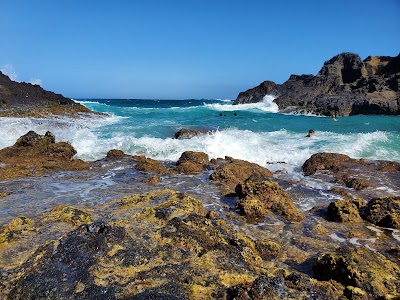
(256, 133)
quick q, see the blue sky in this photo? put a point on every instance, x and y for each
(184, 49)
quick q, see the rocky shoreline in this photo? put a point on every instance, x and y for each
(345, 85)
(21, 99)
(163, 243)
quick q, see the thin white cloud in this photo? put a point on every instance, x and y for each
(9, 71)
(35, 81)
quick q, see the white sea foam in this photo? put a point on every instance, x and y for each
(267, 105)
(264, 148)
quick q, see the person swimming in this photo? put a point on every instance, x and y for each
(310, 133)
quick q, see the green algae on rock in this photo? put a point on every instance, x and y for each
(362, 268)
(384, 212)
(15, 229)
(69, 215)
(257, 198)
(343, 211)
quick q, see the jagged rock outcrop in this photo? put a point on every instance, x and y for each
(35, 154)
(345, 85)
(21, 99)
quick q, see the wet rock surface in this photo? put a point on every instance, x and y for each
(183, 239)
(345, 85)
(363, 176)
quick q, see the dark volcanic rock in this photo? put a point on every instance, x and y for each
(256, 94)
(384, 212)
(20, 99)
(345, 85)
(189, 133)
(55, 270)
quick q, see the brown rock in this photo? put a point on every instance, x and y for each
(360, 268)
(357, 183)
(236, 171)
(114, 154)
(325, 161)
(256, 198)
(150, 165)
(343, 211)
(192, 156)
(345, 85)
(384, 212)
(192, 162)
(33, 153)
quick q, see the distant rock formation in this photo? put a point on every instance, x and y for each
(21, 99)
(345, 85)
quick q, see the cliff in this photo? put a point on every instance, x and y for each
(345, 85)
(20, 99)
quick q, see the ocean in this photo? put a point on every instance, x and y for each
(254, 132)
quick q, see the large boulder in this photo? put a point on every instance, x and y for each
(34, 153)
(256, 199)
(384, 212)
(325, 161)
(362, 268)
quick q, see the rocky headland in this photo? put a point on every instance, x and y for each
(345, 85)
(21, 99)
(253, 242)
